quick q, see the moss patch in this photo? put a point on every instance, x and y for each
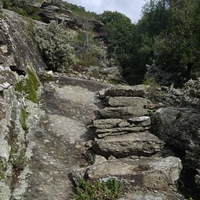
(29, 86)
(2, 169)
(24, 117)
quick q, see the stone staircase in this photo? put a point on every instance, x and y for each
(126, 149)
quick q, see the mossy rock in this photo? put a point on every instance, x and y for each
(29, 86)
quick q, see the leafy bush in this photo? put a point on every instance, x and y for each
(109, 190)
(54, 45)
(6, 4)
(88, 50)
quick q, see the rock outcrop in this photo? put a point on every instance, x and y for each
(135, 141)
(176, 122)
(179, 128)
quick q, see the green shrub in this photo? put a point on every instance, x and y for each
(88, 50)
(54, 45)
(6, 4)
(109, 190)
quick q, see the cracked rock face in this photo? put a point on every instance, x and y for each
(180, 129)
(58, 130)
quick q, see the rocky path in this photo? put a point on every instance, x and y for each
(128, 150)
(58, 129)
(58, 139)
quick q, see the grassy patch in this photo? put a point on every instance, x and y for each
(19, 161)
(28, 11)
(29, 86)
(1, 14)
(2, 169)
(24, 117)
(151, 82)
(109, 190)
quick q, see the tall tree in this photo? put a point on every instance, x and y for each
(118, 28)
(176, 43)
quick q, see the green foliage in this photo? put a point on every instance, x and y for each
(19, 160)
(29, 86)
(79, 12)
(2, 169)
(109, 190)
(23, 7)
(24, 117)
(88, 50)
(28, 11)
(17, 157)
(125, 46)
(151, 82)
(54, 45)
(173, 27)
(6, 4)
(118, 28)
(1, 14)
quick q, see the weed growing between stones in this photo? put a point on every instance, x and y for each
(19, 162)
(29, 86)
(24, 117)
(2, 169)
(1, 14)
(97, 190)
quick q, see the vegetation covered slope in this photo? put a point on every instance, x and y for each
(167, 36)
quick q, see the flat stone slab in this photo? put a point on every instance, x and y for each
(128, 101)
(143, 121)
(106, 123)
(120, 131)
(152, 173)
(123, 112)
(128, 91)
(143, 143)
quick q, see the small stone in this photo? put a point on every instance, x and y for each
(46, 141)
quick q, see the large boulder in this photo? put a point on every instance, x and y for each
(180, 129)
(159, 174)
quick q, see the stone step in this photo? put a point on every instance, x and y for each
(123, 112)
(143, 121)
(139, 144)
(119, 131)
(127, 101)
(124, 90)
